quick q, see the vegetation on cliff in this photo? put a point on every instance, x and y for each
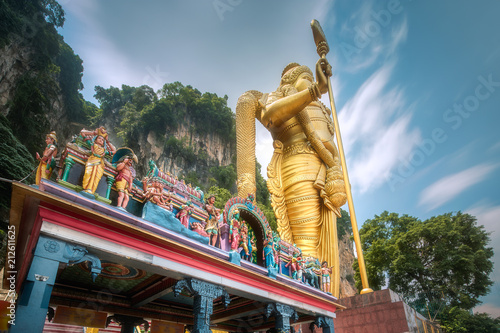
(141, 110)
(54, 71)
(15, 164)
(47, 76)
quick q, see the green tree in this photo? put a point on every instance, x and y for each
(457, 320)
(444, 255)
(225, 176)
(222, 196)
(70, 81)
(344, 225)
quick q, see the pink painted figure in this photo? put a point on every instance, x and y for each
(124, 181)
(185, 213)
(154, 193)
(294, 266)
(197, 227)
(234, 232)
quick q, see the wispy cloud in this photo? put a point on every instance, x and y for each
(488, 216)
(399, 34)
(366, 37)
(376, 130)
(449, 187)
(105, 62)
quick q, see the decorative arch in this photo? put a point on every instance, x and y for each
(253, 216)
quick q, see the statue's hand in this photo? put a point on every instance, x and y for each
(323, 72)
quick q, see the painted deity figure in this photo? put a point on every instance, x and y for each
(89, 135)
(94, 167)
(325, 276)
(293, 264)
(252, 247)
(212, 226)
(198, 227)
(185, 213)
(268, 252)
(300, 268)
(311, 277)
(276, 244)
(234, 231)
(47, 160)
(245, 253)
(154, 193)
(305, 178)
(124, 180)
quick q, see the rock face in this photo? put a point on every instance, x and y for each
(346, 250)
(180, 151)
(14, 63)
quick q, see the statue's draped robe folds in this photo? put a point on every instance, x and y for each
(304, 175)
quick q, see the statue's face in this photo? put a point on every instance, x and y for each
(211, 200)
(99, 140)
(303, 82)
(49, 140)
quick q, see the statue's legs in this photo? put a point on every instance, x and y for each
(313, 224)
(303, 201)
(93, 173)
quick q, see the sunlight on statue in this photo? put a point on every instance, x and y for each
(304, 176)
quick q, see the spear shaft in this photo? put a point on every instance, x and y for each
(322, 48)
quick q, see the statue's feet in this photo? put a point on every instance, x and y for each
(272, 272)
(88, 194)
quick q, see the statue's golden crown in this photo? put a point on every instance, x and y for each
(292, 71)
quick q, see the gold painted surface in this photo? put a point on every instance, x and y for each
(304, 176)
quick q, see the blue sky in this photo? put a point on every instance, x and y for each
(416, 84)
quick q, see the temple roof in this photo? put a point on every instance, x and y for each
(141, 262)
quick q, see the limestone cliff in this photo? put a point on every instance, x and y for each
(35, 94)
(346, 250)
(14, 62)
(199, 152)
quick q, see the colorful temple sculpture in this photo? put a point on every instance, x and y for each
(98, 244)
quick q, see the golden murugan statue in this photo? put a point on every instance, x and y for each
(304, 176)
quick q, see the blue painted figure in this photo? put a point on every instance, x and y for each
(268, 254)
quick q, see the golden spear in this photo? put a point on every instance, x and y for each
(322, 48)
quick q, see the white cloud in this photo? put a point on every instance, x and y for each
(453, 185)
(104, 62)
(375, 127)
(399, 35)
(492, 309)
(365, 39)
(489, 216)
